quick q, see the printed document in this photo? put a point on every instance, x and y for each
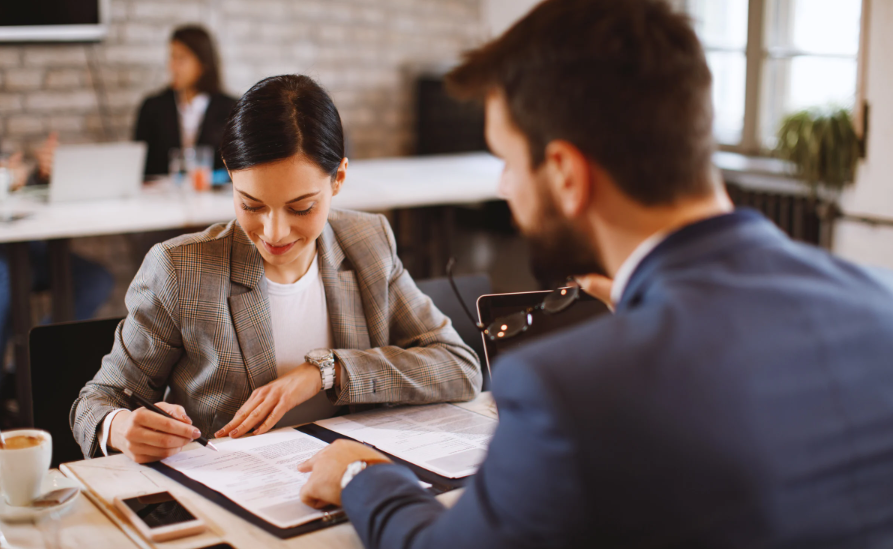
(441, 438)
(258, 473)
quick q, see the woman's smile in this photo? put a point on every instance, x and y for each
(277, 250)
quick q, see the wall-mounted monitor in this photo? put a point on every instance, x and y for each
(54, 20)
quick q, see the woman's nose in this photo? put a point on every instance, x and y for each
(276, 228)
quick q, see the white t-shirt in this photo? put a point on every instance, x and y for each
(191, 116)
(300, 319)
(300, 324)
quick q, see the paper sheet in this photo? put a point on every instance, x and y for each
(258, 473)
(442, 438)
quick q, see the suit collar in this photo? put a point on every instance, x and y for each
(696, 241)
(246, 263)
(330, 251)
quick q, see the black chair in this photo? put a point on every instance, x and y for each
(64, 357)
(472, 287)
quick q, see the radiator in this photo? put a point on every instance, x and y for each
(796, 215)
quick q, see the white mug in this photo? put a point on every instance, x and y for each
(22, 470)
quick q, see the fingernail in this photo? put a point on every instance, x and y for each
(196, 434)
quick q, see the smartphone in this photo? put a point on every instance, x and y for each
(160, 516)
(219, 546)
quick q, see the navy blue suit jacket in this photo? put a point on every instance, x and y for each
(741, 396)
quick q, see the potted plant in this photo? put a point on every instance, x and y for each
(823, 148)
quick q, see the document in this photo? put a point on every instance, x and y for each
(258, 473)
(441, 438)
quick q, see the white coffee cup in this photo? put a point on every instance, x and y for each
(22, 470)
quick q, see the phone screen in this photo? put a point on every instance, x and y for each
(219, 546)
(159, 510)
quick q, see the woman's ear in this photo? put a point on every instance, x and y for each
(339, 178)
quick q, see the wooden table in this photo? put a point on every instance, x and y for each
(96, 525)
(371, 185)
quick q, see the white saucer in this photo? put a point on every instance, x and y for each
(11, 513)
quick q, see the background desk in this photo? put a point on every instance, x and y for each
(118, 475)
(372, 185)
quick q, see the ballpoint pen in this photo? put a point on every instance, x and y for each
(149, 406)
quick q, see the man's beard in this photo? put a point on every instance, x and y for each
(557, 249)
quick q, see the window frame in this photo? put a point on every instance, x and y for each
(756, 57)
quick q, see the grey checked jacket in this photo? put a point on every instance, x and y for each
(198, 329)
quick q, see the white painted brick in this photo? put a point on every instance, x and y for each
(10, 56)
(55, 56)
(24, 125)
(168, 12)
(66, 78)
(136, 55)
(124, 99)
(137, 33)
(61, 101)
(66, 124)
(10, 103)
(23, 79)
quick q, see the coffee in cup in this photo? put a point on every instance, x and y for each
(24, 462)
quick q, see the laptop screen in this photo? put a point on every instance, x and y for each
(493, 306)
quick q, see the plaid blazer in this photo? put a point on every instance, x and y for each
(198, 331)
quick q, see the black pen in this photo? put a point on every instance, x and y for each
(149, 406)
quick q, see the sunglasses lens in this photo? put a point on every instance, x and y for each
(508, 326)
(560, 299)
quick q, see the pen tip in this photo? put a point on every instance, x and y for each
(211, 446)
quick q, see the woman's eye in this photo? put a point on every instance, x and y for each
(248, 208)
(303, 212)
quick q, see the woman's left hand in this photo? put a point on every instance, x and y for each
(269, 403)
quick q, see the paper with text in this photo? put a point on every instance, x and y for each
(442, 438)
(258, 473)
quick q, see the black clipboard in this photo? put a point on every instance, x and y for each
(439, 485)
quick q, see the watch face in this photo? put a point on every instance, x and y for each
(319, 354)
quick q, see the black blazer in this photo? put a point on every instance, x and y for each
(159, 126)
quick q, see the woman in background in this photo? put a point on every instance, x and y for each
(192, 110)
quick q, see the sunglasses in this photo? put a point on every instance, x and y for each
(511, 325)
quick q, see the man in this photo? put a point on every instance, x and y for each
(742, 393)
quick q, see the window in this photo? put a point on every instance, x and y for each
(773, 57)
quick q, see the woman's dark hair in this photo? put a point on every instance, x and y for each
(199, 42)
(282, 116)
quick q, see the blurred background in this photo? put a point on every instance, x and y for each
(77, 71)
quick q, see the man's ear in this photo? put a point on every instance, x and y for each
(568, 173)
(340, 176)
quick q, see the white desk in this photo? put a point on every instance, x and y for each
(117, 475)
(372, 185)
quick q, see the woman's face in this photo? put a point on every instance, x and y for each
(184, 66)
(283, 206)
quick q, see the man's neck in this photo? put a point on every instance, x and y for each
(620, 234)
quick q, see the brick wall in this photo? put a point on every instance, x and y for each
(365, 52)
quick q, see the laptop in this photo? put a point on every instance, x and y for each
(492, 306)
(97, 172)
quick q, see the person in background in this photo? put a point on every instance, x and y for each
(192, 110)
(93, 283)
(279, 317)
(741, 395)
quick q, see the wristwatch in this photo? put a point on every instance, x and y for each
(352, 470)
(324, 359)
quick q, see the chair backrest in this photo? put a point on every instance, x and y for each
(64, 357)
(471, 287)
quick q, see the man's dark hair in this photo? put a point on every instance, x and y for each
(625, 81)
(282, 116)
(199, 42)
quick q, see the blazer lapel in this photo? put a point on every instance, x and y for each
(343, 298)
(250, 310)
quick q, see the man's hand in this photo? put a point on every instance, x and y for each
(328, 466)
(144, 436)
(598, 286)
(269, 403)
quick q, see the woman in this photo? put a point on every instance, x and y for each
(193, 110)
(293, 308)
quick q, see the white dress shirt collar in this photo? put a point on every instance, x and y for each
(626, 270)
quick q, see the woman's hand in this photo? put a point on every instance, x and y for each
(269, 403)
(144, 436)
(45, 155)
